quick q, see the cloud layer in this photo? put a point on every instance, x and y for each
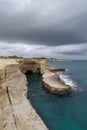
(62, 51)
(54, 24)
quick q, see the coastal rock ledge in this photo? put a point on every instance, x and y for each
(16, 112)
(53, 84)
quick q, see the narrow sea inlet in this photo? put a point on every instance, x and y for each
(67, 112)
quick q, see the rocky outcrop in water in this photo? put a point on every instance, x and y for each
(53, 83)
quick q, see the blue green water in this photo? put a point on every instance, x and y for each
(67, 112)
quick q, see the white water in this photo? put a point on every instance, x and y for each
(66, 79)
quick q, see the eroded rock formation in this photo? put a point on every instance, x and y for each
(53, 83)
(16, 112)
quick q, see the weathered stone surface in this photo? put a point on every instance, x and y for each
(2, 75)
(29, 65)
(53, 84)
(54, 69)
(16, 112)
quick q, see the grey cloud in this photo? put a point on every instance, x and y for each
(46, 28)
(45, 22)
(82, 52)
(75, 49)
(63, 51)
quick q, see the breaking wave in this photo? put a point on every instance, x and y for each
(66, 79)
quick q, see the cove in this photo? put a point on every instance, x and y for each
(57, 112)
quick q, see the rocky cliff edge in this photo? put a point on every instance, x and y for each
(16, 112)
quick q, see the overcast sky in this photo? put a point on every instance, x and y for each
(44, 28)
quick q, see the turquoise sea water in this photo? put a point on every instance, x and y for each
(67, 112)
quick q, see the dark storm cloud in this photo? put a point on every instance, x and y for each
(45, 22)
(46, 28)
(80, 52)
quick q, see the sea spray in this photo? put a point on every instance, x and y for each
(67, 79)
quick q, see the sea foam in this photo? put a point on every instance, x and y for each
(66, 79)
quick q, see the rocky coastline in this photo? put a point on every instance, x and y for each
(53, 83)
(16, 112)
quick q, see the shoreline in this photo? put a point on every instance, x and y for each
(54, 84)
(18, 111)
